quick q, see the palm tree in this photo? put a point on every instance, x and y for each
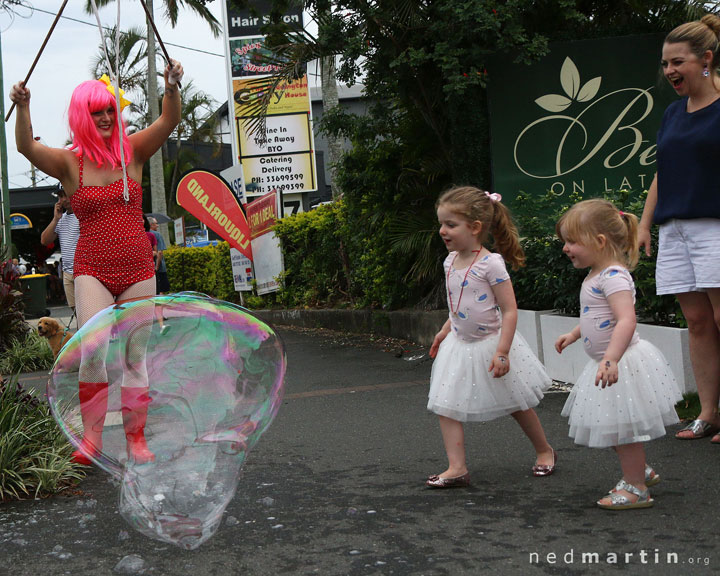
(133, 68)
(330, 101)
(198, 124)
(172, 9)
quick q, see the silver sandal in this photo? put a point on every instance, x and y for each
(699, 429)
(622, 502)
(651, 479)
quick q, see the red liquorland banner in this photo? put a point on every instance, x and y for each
(209, 198)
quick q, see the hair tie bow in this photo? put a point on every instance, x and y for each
(494, 197)
(124, 102)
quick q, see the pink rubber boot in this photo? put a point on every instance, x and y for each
(93, 398)
(135, 403)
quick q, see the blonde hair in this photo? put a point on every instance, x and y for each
(589, 219)
(475, 205)
(701, 35)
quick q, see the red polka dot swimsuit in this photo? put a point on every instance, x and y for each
(113, 246)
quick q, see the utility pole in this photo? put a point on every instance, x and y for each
(4, 190)
(157, 178)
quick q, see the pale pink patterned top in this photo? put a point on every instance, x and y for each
(477, 314)
(596, 318)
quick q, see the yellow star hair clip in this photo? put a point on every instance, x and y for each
(124, 102)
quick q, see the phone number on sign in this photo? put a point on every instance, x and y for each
(285, 177)
(289, 187)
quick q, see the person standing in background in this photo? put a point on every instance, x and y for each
(161, 277)
(66, 227)
(684, 201)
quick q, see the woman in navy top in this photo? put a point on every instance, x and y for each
(684, 200)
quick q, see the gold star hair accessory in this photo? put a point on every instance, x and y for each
(124, 102)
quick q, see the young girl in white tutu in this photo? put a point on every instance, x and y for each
(626, 394)
(482, 369)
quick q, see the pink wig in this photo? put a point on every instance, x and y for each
(87, 98)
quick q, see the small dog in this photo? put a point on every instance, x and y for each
(56, 335)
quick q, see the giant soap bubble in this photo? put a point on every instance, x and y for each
(169, 394)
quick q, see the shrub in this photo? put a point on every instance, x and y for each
(12, 321)
(28, 354)
(205, 269)
(345, 254)
(313, 256)
(34, 453)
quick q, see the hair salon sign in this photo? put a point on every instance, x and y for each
(584, 118)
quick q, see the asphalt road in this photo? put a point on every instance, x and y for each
(336, 486)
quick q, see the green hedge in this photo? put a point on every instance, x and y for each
(206, 269)
(313, 254)
(319, 271)
(332, 262)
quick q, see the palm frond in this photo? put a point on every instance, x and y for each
(415, 235)
(289, 55)
(132, 56)
(172, 11)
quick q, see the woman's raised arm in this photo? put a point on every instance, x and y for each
(54, 162)
(148, 141)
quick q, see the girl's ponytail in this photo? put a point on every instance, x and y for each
(632, 249)
(506, 237)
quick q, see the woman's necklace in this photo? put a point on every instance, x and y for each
(464, 282)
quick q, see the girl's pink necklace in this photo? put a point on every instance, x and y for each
(464, 282)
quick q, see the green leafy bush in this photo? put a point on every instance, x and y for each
(312, 246)
(34, 453)
(205, 269)
(330, 262)
(350, 253)
(12, 320)
(27, 354)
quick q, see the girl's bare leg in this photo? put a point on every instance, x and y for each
(530, 424)
(454, 439)
(632, 462)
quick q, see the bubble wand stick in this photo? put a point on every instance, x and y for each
(157, 35)
(7, 117)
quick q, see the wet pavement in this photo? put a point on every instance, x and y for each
(336, 486)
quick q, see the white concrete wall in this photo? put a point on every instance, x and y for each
(541, 329)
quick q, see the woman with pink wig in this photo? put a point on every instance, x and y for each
(101, 173)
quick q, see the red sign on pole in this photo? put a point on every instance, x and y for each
(209, 198)
(262, 214)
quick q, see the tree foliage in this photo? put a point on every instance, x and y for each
(423, 66)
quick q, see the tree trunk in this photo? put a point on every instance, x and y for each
(328, 84)
(157, 181)
(330, 101)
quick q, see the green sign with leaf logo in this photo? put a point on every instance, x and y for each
(582, 119)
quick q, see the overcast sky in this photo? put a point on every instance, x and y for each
(67, 58)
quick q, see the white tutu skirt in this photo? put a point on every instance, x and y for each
(461, 387)
(635, 409)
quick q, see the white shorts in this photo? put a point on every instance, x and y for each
(688, 257)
